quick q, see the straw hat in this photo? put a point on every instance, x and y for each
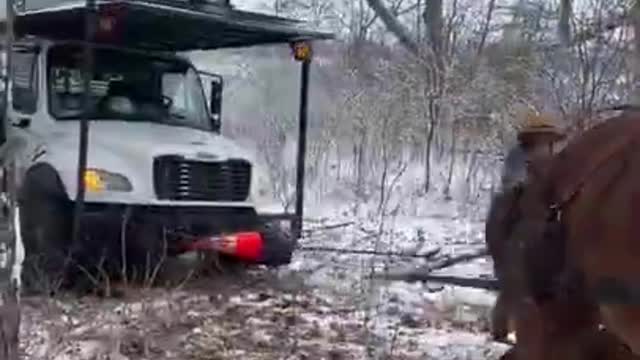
(538, 127)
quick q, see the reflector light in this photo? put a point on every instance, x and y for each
(110, 22)
(302, 51)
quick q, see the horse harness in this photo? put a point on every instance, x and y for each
(608, 290)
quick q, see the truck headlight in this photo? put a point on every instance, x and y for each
(98, 180)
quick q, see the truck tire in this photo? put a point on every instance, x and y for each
(279, 245)
(146, 252)
(46, 231)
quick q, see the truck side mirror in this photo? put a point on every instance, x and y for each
(215, 104)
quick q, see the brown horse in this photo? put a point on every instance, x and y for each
(546, 328)
(575, 232)
(595, 183)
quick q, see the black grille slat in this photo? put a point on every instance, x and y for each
(176, 178)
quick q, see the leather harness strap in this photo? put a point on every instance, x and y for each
(562, 192)
(609, 290)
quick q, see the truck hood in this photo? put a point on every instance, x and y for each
(129, 148)
(142, 141)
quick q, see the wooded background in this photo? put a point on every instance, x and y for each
(427, 94)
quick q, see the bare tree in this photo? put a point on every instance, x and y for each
(394, 25)
(635, 22)
(564, 28)
(485, 27)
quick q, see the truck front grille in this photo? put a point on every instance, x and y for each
(176, 178)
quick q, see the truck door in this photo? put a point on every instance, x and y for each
(22, 106)
(24, 87)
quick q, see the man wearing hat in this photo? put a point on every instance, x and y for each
(538, 138)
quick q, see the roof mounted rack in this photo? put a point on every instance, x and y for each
(162, 25)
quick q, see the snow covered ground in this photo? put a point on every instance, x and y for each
(322, 306)
(240, 322)
(463, 312)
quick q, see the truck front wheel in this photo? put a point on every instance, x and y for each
(46, 231)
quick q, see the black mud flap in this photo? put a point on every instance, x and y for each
(278, 246)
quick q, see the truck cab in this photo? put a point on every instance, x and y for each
(153, 140)
(159, 174)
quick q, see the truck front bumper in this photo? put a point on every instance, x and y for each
(262, 241)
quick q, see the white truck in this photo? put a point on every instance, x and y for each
(159, 175)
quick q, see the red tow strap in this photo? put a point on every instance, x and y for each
(247, 246)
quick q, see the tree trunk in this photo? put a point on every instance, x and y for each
(433, 122)
(9, 291)
(360, 184)
(393, 25)
(452, 162)
(434, 24)
(470, 172)
(338, 161)
(9, 319)
(635, 21)
(564, 27)
(383, 179)
(486, 28)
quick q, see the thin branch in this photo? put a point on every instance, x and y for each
(408, 9)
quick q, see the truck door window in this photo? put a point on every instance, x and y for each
(187, 102)
(24, 89)
(126, 86)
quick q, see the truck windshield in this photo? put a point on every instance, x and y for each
(126, 86)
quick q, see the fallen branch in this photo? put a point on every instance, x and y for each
(329, 227)
(454, 261)
(374, 232)
(423, 274)
(428, 255)
(476, 283)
